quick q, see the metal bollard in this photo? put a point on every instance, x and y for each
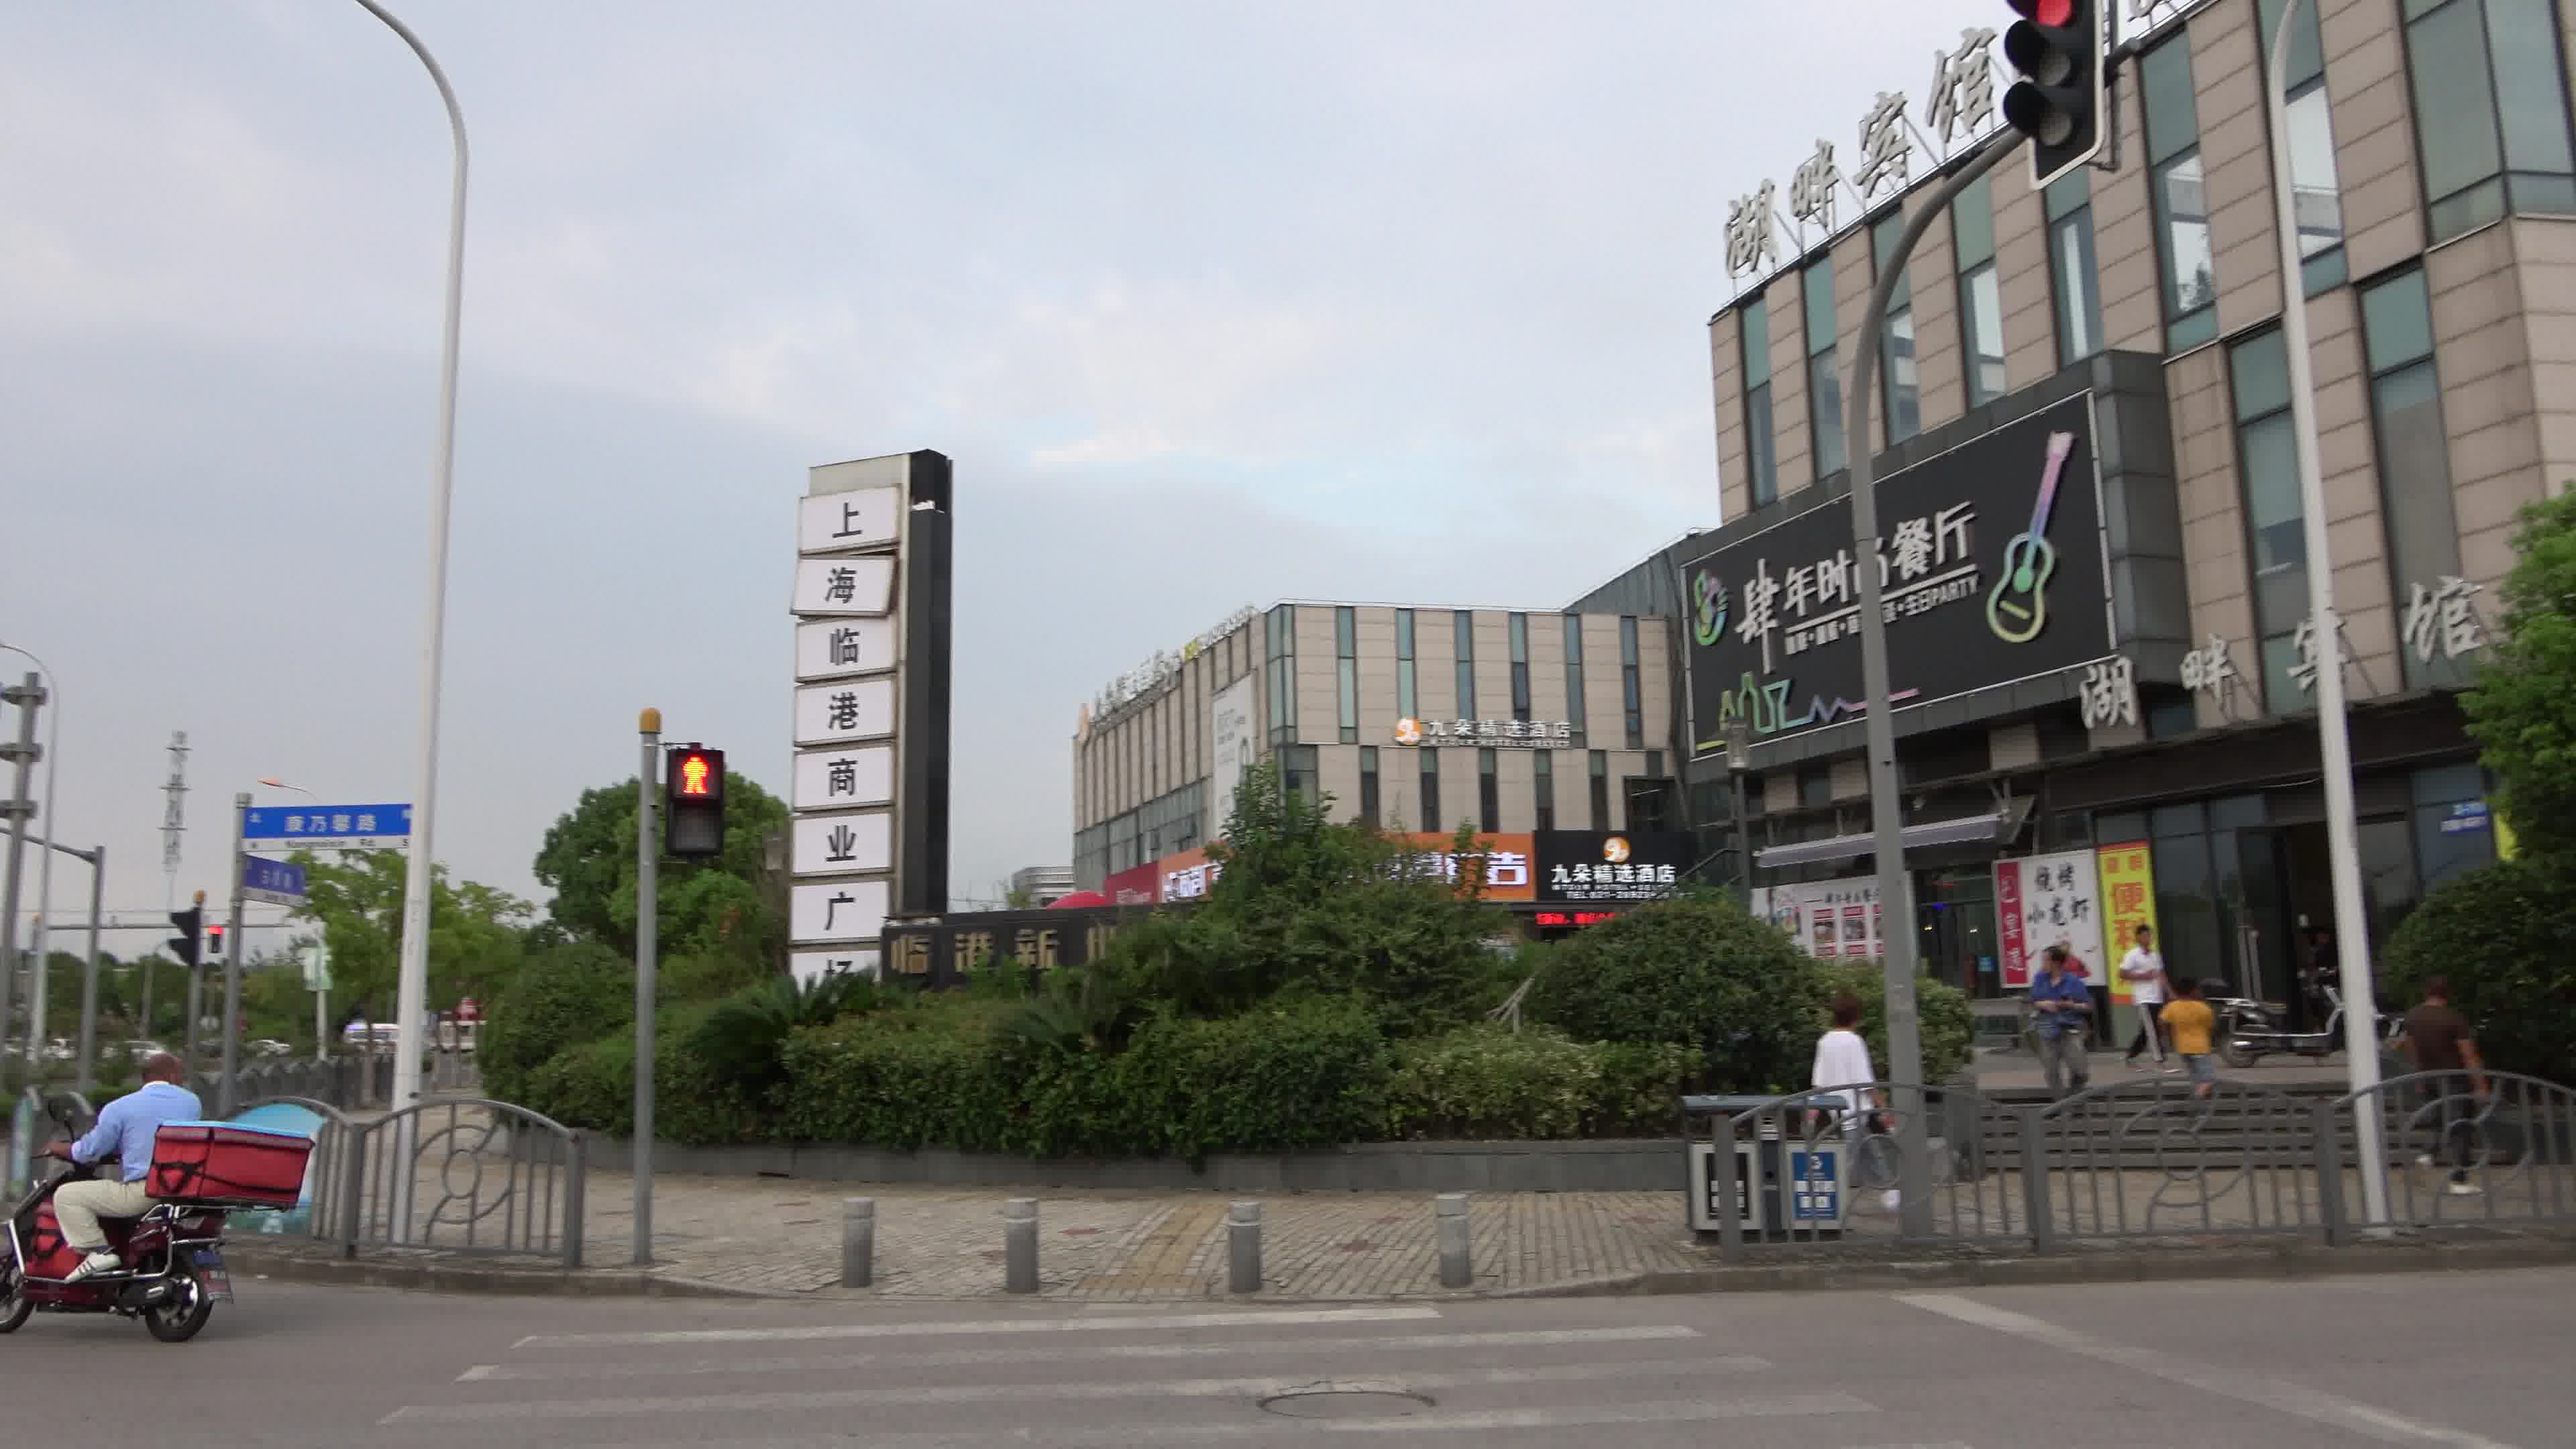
(1456, 1269)
(1020, 1245)
(858, 1241)
(1243, 1247)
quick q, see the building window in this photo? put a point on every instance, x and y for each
(1902, 389)
(1489, 793)
(1574, 671)
(1519, 625)
(2268, 463)
(1368, 785)
(2070, 262)
(1981, 296)
(2181, 200)
(1431, 791)
(2414, 467)
(1631, 692)
(1297, 771)
(1824, 384)
(1600, 789)
(1543, 770)
(1346, 671)
(2490, 111)
(1815, 786)
(1282, 625)
(1465, 633)
(1404, 708)
(2316, 198)
(1761, 454)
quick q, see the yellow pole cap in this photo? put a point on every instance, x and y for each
(649, 722)
(201, 898)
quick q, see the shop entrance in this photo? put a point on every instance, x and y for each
(2286, 890)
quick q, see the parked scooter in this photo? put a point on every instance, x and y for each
(170, 1270)
(2249, 1030)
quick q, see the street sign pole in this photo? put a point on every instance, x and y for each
(81, 1073)
(225, 1095)
(29, 696)
(1886, 806)
(648, 930)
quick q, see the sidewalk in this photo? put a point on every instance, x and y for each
(2012, 1069)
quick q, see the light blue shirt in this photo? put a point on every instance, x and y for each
(129, 1123)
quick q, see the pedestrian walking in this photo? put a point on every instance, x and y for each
(1843, 1073)
(2144, 969)
(2439, 1041)
(2192, 1022)
(2061, 1013)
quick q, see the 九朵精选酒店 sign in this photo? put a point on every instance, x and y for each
(1990, 570)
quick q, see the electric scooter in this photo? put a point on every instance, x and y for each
(2249, 1030)
(170, 1270)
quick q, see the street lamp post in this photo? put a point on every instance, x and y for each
(413, 981)
(2334, 742)
(1739, 760)
(36, 1002)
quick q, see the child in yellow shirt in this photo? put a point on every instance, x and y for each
(2191, 1022)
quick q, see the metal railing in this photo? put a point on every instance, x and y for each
(2142, 1160)
(485, 1177)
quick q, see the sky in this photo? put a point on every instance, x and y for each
(1212, 305)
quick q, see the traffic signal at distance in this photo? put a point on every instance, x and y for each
(2058, 102)
(693, 781)
(191, 923)
(215, 945)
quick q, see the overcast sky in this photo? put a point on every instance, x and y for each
(1212, 305)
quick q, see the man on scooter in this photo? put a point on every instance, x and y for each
(127, 1127)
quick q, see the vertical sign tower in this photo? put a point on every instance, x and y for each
(869, 796)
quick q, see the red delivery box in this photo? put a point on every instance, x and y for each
(218, 1164)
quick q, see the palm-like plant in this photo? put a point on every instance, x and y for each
(744, 1039)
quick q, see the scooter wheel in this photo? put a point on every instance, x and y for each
(14, 1304)
(2236, 1055)
(177, 1318)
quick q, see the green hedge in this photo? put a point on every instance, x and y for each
(2501, 934)
(1488, 1083)
(593, 1086)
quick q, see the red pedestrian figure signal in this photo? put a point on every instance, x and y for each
(693, 803)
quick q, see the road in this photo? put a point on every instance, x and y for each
(2460, 1359)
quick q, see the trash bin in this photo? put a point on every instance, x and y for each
(1792, 1189)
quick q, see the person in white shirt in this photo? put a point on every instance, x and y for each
(1843, 1071)
(2144, 970)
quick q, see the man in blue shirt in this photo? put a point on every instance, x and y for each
(125, 1129)
(2061, 1007)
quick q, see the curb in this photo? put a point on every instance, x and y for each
(454, 1278)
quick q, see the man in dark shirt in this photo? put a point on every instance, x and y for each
(2438, 1040)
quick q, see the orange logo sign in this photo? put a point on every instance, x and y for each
(1615, 849)
(1408, 732)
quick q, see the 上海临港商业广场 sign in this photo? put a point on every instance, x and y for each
(1991, 569)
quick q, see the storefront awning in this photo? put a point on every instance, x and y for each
(1964, 830)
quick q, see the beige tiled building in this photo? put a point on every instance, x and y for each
(1417, 719)
(2435, 181)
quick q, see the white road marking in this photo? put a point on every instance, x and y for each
(1430, 1421)
(790, 1402)
(1028, 1353)
(994, 1325)
(2261, 1390)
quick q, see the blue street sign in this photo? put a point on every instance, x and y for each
(342, 826)
(2466, 816)
(275, 881)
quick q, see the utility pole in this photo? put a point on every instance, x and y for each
(29, 696)
(1886, 805)
(225, 1095)
(648, 931)
(88, 1060)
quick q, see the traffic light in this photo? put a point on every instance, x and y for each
(191, 923)
(215, 945)
(693, 802)
(2059, 100)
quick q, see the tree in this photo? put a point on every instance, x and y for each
(2523, 710)
(2500, 935)
(1697, 972)
(475, 931)
(732, 905)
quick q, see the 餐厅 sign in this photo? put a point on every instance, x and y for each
(1991, 571)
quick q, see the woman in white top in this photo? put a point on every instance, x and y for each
(1842, 1065)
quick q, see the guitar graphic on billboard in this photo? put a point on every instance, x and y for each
(2018, 608)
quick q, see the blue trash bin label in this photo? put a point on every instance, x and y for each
(1815, 1187)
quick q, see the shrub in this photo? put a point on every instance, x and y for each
(2501, 935)
(1490, 1083)
(1299, 1071)
(920, 1074)
(559, 999)
(1942, 1019)
(1696, 972)
(592, 1086)
(742, 1038)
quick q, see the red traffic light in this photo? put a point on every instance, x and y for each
(693, 771)
(693, 789)
(2045, 12)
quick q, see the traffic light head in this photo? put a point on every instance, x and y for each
(2056, 47)
(215, 943)
(190, 923)
(693, 802)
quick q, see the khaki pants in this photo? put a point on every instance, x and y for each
(79, 1205)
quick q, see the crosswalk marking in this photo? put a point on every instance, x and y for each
(804, 1400)
(1026, 1353)
(1103, 1324)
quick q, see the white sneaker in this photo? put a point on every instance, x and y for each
(2424, 1161)
(2463, 1189)
(102, 1261)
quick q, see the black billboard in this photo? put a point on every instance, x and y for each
(1588, 867)
(1992, 564)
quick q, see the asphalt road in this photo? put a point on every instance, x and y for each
(2475, 1360)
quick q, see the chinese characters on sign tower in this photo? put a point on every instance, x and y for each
(1885, 148)
(1750, 245)
(1811, 188)
(2110, 693)
(2443, 620)
(1963, 85)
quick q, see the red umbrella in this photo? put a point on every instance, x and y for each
(1080, 898)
